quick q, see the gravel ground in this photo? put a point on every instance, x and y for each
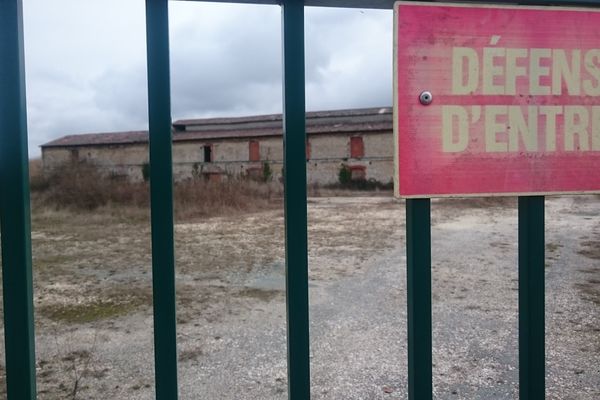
(94, 322)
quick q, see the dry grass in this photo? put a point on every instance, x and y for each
(82, 187)
(201, 198)
(35, 167)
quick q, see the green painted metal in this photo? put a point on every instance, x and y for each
(418, 288)
(296, 241)
(15, 217)
(161, 199)
(531, 298)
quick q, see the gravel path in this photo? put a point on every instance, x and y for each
(358, 323)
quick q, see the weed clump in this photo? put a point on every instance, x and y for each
(82, 187)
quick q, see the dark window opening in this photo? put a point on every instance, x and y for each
(207, 153)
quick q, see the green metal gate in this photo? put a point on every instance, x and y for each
(16, 229)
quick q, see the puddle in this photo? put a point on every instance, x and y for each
(272, 277)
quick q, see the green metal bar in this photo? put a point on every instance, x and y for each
(161, 199)
(15, 218)
(296, 241)
(531, 298)
(418, 258)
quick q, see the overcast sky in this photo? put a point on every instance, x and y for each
(86, 62)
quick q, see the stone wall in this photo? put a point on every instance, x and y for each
(123, 161)
(231, 158)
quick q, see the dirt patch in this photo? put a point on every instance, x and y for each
(553, 247)
(190, 354)
(590, 288)
(95, 309)
(591, 249)
(259, 294)
(476, 203)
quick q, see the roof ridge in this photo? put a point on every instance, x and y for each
(336, 121)
(278, 117)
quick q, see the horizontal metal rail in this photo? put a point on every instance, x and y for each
(389, 4)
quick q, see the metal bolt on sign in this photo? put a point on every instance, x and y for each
(426, 98)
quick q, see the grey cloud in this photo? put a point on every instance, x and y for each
(69, 44)
(231, 68)
(349, 58)
(122, 94)
(225, 60)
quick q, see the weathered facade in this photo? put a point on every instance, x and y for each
(358, 140)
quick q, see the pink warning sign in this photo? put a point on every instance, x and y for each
(496, 100)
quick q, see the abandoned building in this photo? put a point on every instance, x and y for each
(359, 141)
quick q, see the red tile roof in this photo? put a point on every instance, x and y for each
(91, 139)
(321, 122)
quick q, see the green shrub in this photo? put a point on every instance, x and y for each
(267, 172)
(345, 175)
(146, 172)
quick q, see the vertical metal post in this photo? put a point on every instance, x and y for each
(161, 199)
(296, 242)
(418, 258)
(15, 218)
(531, 298)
